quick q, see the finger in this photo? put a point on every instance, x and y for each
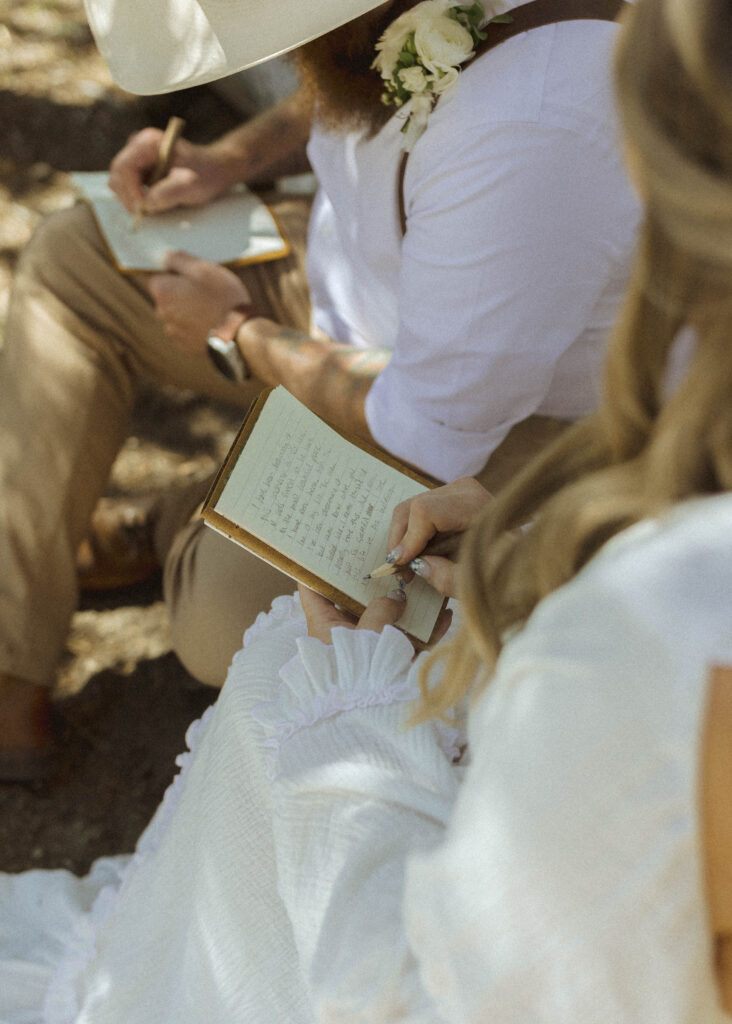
(179, 262)
(452, 507)
(399, 522)
(383, 611)
(173, 190)
(440, 573)
(160, 287)
(321, 614)
(444, 619)
(128, 168)
(412, 527)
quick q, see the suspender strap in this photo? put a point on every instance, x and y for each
(528, 16)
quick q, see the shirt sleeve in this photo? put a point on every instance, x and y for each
(513, 236)
(354, 792)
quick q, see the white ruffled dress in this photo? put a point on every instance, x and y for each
(315, 861)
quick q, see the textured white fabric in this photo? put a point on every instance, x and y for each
(521, 223)
(194, 932)
(566, 885)
(316, 862)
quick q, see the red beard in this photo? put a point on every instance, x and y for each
(336, 73)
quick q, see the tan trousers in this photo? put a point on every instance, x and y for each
(80, 337)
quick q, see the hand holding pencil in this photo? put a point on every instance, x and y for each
(171, 135)
(425, 533)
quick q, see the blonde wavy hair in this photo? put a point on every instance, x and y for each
(644, 449)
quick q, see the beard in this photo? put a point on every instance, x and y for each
(337, 77)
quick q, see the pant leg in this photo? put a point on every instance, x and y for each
(79, 337)
(213, 588)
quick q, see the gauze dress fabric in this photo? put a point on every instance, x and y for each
(316, 861)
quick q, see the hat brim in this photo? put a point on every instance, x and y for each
(156, 46)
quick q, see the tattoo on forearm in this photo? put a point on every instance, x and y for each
(359, 366)
(291, 339)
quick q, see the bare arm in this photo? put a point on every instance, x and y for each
(270, 145)
(717, 820)
(332, 379)
(259, 150)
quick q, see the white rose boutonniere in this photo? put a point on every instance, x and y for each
(420, 53)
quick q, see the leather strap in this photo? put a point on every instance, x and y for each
(527, 16)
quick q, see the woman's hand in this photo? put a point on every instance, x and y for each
(196, 174)
(193, 298)
(322, 615)
(414, 523)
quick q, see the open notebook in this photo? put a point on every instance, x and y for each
(236, 228)
(317, 505)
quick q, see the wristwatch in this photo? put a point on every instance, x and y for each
(221, 345)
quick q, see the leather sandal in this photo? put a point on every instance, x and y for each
(26, 734)
(119, 549)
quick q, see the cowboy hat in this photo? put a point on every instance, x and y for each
(154, 46)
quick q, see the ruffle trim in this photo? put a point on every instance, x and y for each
(360, 669)
(283, 609)
(61, 1005)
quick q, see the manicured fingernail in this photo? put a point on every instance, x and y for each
(397, 595)
(420, 568)
(394, 555)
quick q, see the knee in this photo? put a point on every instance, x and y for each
(58, 240)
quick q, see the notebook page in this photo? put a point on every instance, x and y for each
(323, 502)
(237, 226)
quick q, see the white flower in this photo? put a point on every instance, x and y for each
(396, 35)
(442, 43)
(420, 53)
(413, 79)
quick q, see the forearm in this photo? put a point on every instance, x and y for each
(332, 379)
(269, 145)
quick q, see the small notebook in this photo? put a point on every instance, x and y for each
(236, 228)
(317, 504)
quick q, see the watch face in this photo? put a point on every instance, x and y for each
(227, 358)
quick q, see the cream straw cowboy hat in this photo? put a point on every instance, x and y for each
(154, 46)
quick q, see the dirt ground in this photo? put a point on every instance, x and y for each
(123, 701)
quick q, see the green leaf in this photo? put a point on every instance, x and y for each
(501, 19)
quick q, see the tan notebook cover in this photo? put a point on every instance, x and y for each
(317, 503)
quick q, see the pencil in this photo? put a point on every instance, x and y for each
(162, 164)
(443, 544)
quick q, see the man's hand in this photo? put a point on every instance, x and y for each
(194, 298)
(414, 523)
(196, 175)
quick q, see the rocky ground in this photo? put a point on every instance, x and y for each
(123, 701)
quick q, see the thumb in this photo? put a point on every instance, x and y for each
(178, 262)
(383, 611)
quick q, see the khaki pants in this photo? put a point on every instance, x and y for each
(80, 337)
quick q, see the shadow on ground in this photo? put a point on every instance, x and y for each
(124, 702)
(117, 743)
